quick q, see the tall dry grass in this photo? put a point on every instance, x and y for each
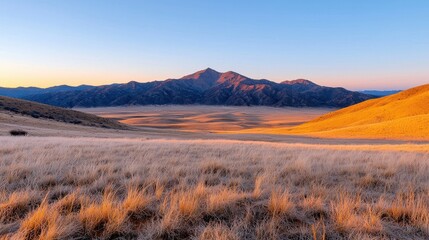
(65, 188)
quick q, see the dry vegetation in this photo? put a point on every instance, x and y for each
(66, 188)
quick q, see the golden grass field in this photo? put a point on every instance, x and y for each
(127, 188)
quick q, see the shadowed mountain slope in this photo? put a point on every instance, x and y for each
(37, 110)
(207, 87)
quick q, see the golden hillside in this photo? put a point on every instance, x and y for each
(404, 115)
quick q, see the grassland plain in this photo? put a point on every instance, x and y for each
(107, 188)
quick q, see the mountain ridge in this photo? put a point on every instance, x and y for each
(209, 87)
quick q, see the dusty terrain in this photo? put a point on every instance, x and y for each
(200, 118)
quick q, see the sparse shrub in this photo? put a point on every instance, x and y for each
(104, 220)
(218, 232)
(46, 223)
(71, 204)
(223, 202)
(407, 209)
(18, 132)
(136, 205)
(279, 203)
(17, 206)
(35, 114)
(257, 190)
(344, 212)
(314, 207)
(215, 168)
(12, 109)
(159, 190)
(371, 221)
(74, 121)
(188, 203)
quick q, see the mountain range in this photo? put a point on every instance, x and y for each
(203, 87)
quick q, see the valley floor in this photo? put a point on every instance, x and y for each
(203, 118)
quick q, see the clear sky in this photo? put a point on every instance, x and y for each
(371, 44)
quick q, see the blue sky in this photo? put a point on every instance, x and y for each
(355, 44)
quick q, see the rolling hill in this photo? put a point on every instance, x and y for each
(42, 111)
(404, 115)
(206, 87)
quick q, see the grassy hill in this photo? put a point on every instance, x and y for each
(37, 110)
(404, 115)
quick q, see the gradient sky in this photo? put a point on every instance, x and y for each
(355, 44)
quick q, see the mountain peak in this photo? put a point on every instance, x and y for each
(205, 73)
(210, 70)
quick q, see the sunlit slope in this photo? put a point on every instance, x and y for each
(404, 115)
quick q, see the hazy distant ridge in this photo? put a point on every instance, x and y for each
(379, 93)
(20, 92)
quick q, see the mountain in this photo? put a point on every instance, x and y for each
(27, 91)
(207, 87)
(379, 93)
(404, 115)
(37, 110)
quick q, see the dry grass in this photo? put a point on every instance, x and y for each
(279, 203)
(62, 188)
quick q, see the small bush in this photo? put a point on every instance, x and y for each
(18, 133)
(35, 114)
